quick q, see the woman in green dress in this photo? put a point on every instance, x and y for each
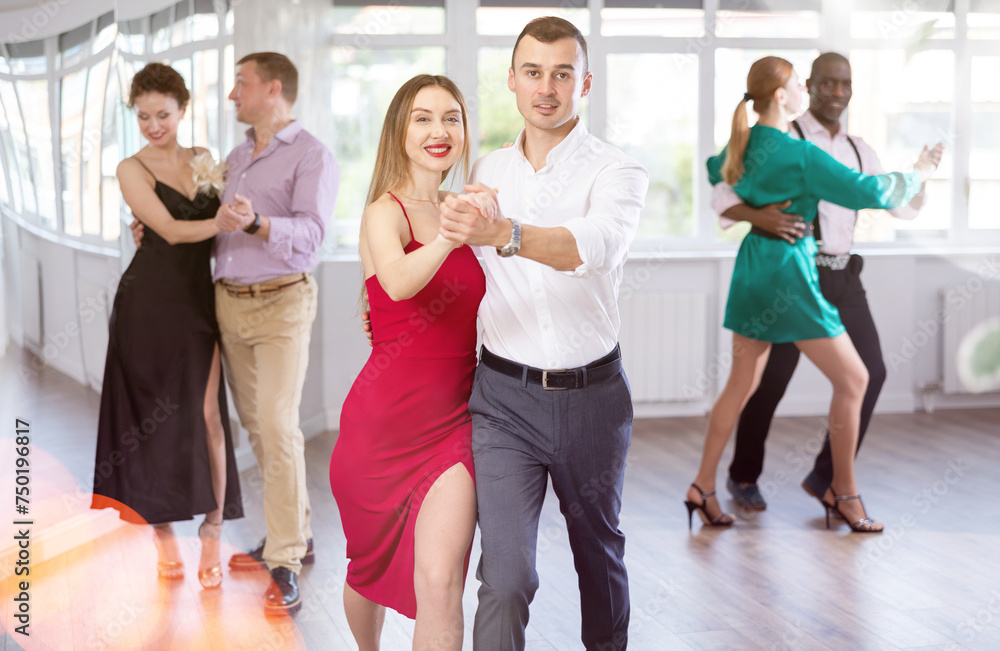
(775, 295)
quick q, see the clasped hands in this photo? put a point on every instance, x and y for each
(790, 227)
(234, 216)
(473, 217)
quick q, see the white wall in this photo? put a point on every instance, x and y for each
(903, 290)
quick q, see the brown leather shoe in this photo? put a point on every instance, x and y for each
(282, 596)
(254, 559)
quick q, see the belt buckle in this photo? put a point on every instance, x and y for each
(545, 380)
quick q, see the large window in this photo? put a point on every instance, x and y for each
(365, 83)
(668, 76)
(63, 126)
(898, 113)
(663, 135)
(984, 158)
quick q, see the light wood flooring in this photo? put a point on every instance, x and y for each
(778, 580)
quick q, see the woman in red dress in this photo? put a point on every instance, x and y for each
(401, 471)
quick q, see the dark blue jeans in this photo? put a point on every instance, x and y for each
(522, 436)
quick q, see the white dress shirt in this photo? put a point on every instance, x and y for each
(533, 314)
(836, 222)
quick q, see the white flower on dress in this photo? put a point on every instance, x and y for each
(209, 176)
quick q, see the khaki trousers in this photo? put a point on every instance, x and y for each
(265, 344)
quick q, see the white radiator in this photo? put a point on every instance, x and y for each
(664, 346)
(963, 307)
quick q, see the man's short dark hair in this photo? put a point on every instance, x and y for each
(549, 29)
(271, 66)
(827, 57)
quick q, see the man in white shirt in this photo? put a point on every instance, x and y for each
(550, 399)
(829, 86)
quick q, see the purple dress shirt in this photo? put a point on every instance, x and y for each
(293, 182)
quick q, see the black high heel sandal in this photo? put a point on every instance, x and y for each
(864, 525)
(721, 520)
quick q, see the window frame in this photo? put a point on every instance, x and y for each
(460, 39)
(834, 34)
(87, 62)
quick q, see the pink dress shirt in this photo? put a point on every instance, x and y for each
(293, 182)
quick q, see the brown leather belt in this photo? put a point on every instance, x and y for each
(239, 290)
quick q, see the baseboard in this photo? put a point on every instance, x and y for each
(314, 426)
(895, 403)
(60, 363)
(888, 403)
(245, 459)
(62, 537)
(644, 410)
(959, 401)
(333, 420)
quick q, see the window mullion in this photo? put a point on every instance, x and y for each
(459, 40)
(705, 219)
(961, 116)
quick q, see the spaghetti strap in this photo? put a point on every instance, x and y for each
(408, 224)
(136, 159)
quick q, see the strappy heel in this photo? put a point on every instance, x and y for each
(210, 533)
(864, 525)
(166, 569)
(721, 520)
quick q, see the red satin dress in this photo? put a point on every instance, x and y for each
(406, 421)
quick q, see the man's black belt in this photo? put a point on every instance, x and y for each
(569, 378)
(810, 230)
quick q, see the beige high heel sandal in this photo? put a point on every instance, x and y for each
(210, 533)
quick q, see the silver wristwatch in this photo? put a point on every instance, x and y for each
(514, 245)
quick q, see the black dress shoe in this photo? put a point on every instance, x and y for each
(282, 596)
(254, 559)
(815, 486)
(746, 494)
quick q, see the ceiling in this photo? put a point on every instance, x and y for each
(28, 20)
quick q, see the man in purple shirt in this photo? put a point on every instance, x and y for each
(281, 186)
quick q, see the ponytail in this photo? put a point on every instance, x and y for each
(732, 168)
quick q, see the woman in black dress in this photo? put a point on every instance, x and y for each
(164, 449)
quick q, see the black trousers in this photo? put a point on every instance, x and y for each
(844, 290)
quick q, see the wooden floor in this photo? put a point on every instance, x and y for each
(778, 580)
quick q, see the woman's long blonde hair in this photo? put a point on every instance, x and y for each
(392, 164)
(766, 76)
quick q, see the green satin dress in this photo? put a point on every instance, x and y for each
(775, 295)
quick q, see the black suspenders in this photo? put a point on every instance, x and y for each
(817, 233)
